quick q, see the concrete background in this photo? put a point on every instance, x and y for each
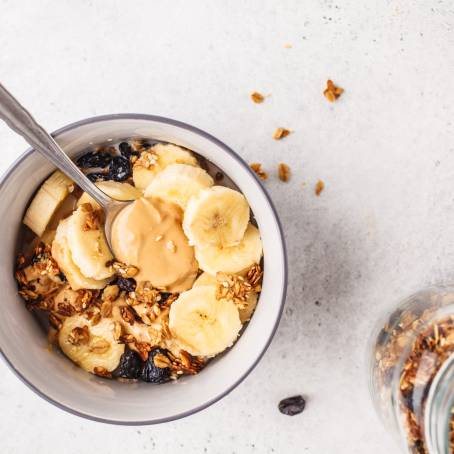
(382, 228)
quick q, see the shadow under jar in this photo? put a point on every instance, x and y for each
(412, 372)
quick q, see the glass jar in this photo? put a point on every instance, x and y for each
(412, 372)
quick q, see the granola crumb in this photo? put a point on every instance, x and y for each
(319, 187)
(257, 97)
(257, 168)
(284, 172)
(280, 133)
(332, 92)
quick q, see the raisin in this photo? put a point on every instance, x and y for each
(145, 145)
(219, 176)
(126, 284)
(98, 176)
(93, 159)
(151, 373)
(119, 169)
(126, 150)
(130, 365)
(62, 276)
(292, 405)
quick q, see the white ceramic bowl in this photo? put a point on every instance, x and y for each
(23, 344)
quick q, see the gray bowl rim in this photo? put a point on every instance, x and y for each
(234, 155)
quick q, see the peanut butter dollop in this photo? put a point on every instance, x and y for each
(148, 234)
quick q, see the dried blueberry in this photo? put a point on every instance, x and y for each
(126, 150)
(292, 405)
(62, 276)
(130, 365)
(98, 176)
(94, 159)
(145, 145)
(119, 168)
(126, 284)
(219, 176)
(151, 373)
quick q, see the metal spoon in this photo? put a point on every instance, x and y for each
(20, 121)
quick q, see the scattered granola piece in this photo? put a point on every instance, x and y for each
(280, 133)
(332, 92)
(257, 168)
(319, 187)
(284, 172)
(257, 97)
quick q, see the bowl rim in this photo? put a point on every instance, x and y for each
(156, 118)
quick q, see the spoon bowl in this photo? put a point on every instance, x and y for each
(22, 122)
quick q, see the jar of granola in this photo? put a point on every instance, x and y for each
(412, 372)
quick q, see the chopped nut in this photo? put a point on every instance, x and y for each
(65, 309)
(127, 315)
(284, 172)
(257, 97)
(127, 339)
(102, 372)
(332, 92)
(93, 218)
(257, 168)
(161, 361)
(280, 133)
(124, 270)
(143, 348)
(146, 159)
(319, 187)
(79, 336)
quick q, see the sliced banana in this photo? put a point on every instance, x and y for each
(246, 312)
(114, 189)
(63, 257)
(89, 248)
(235, 259)
(166, 154)
(205, 326)
(90, 347)
(47, 200)
(217, 216)
(177, 183)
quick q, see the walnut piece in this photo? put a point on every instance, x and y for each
(284, 172)
(332, 92)
(280, 133)
(257, 168)
(79, 336)
(257, 97)
(319, 187)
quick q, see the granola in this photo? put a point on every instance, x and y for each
(257, 168)
(280, 133)
(332, 92)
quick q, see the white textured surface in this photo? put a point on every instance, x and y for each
(382, 228)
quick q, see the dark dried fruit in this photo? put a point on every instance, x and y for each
(292, 405)
(130, 365)
(219, 176)
(145, 145)
(98, 176)
(126, 150)
(126, 284)
(120, 169)
(93, 159)
(151, 373)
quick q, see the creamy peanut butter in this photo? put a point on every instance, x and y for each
(148, 234)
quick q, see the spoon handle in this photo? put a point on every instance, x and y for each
(21, 121)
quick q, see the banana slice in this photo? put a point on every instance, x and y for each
(233, 259)
(206, 326)
(46, 201)
(177, 183)
(90, 346)
(63, 257)
(165, 154)
(114, 189)
(88, 247)
(217, 216)
(246, 312)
